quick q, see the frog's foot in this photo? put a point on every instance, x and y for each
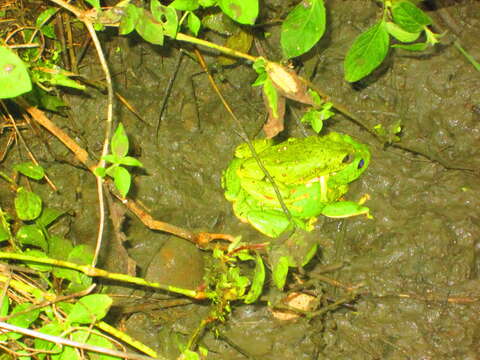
(343, 209)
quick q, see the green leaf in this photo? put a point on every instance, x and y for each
(129, 20)
(24, 320)
(412, 47)
(193, 23)
(111, 158)
(100, 171)
(59, 247)
(129, 161)
(122, 180)
(257, 282)
(5, 304)
(149, 28)
(185, 5)
(303, 27)
(90, 308)
(30, 169)
(28, 205)
(53, 328)
(100, 341)
(242, 11)
(280, 272)
(48, 216)
(272, 96)
(119, 142)
(42, 99)
(14, 78)
(94, 3)
(367, 52)
(42, 19)
(32, 235)
(167, 16)
(401, 35)
(4, 232)
(207, 3)
(409, 17)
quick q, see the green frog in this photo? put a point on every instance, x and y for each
(312, 174)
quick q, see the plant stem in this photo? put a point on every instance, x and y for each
(222, 49)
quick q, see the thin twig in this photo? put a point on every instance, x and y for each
(67, 342)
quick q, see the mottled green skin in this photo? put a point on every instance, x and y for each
(311, 173)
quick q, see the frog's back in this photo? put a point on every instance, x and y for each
(297, 160)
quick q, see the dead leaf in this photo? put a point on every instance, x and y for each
(274, 125)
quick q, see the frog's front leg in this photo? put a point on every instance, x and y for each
(343, 209)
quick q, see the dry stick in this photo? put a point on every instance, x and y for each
(244, 136)
(201, 239)
(84, 17)
(24, 143)
(62, 341)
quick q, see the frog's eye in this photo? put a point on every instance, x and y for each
(360, 164)
(346, 159)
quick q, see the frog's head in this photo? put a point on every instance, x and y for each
(355, 161)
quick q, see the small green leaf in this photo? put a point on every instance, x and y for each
(185, 5)
(149, 28)
(53, 328)
(119, 142)
(4, 232)
(111, 158)
(257, 282)
(272, 96)
(28, 205)
(401, 35)
(48, 216)
(94, 3)
(31, 170)
(41, 22)
(193, 23)
(14, 78)
(409, 17)
(100, 172)
(165, 15)
(5, 304)
(129, 20)
(303, 27)
(280, 272)
(24, 320)
(207, 3)
(367, 52)
(32, 235)
(59, 247)
(42, 99)
(122, 180)
(242, 11)
(129, 161)
(90, 308)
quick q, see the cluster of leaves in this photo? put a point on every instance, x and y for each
(33, 239)
(226, 280)
(35, 70)
(403, 21)
(118, 158)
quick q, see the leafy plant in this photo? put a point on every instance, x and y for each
(118, 158)
(403, 21)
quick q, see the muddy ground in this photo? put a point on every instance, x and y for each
(417, 260)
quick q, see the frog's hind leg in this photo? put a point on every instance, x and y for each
(269, 222)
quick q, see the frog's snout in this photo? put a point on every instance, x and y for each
(360, 164)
